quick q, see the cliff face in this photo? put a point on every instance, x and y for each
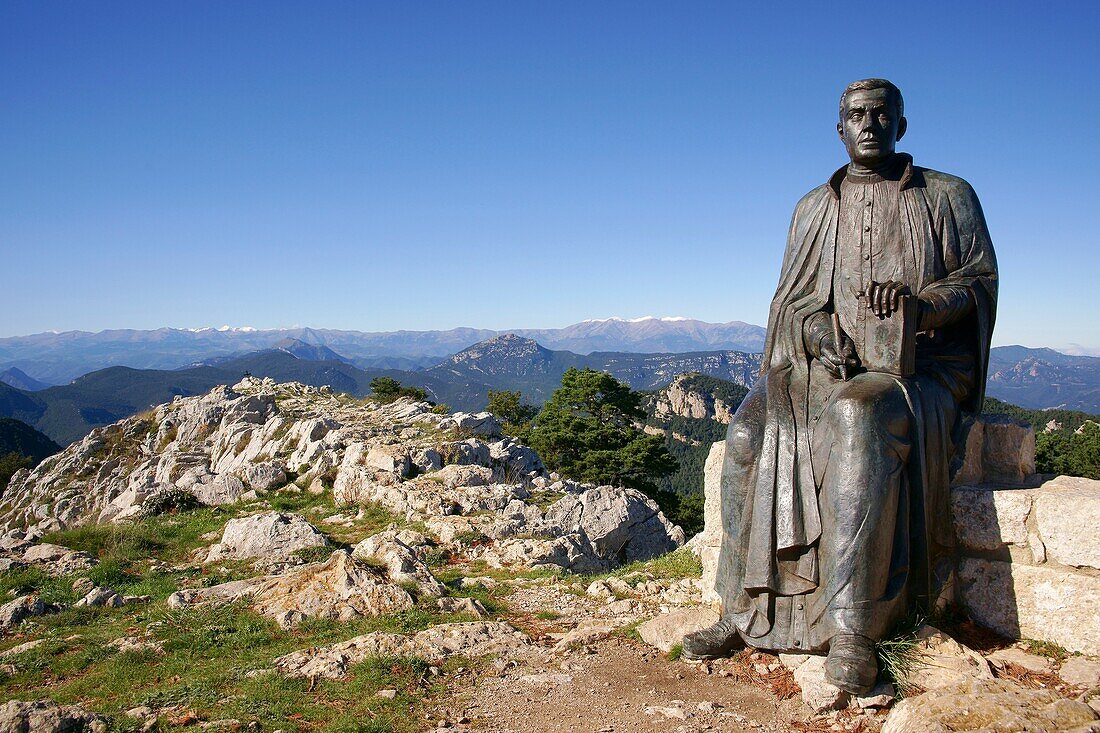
(688, 397)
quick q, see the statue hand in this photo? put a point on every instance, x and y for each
(883, 298)
(834, 355)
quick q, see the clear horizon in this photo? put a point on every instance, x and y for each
(380, 168)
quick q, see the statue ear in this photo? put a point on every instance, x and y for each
(840, 129)
(903, 125)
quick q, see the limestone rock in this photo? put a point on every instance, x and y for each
(1036, 602)
(400, 561)
(669, 629)
(940, 661)
(470, 606)
(707, 543)
(101, 597)
(1062, 508)
(339, 589)
(988, 519)
(988, 706)
(222, 489)
(264, 476)
(20, 648)
(57, 560)
(1081, 672)
(997, 449)
(817, 692)
(271, 536)
(482, 423)
(46, 716)
(621, 525)
(471, 639)
(13, 612)
(1012, 655)
(216, 594)
(587, 632)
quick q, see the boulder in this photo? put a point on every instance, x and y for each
(340, 589)
(1081, 672)
(46, 716)
(264, 476)
(101, 597)
(482, 423)
(669, 629)
(13, 612)
(707, 543)
(222, 489)
(989, 706)
(272, 536)
(470, 606)
(620, 525)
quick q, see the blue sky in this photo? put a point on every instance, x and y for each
(384, 166)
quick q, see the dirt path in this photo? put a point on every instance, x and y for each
(610, 683)
(618, 685)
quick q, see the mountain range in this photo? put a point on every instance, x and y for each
(58, 358)
(1032, 378)
(67, 412)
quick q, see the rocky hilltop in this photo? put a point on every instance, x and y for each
(455, 473)
(279, 557)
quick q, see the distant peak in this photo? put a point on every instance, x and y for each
(617, 319)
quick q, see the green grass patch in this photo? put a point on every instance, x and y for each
(207, 653)
(1047, 649)
(675, 565)
(675, 652)
(898, 654)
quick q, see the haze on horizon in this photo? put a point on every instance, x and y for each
(383, 167)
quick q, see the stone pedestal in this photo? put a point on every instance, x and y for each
(1029, 560)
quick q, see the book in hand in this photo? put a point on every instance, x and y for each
(890, 342)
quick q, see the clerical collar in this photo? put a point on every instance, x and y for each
(891, 170)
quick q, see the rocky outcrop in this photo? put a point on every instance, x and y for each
(999, 706)
(683, 399)
(471, 486)
(46, 716)
(340, 589)
(472, 639)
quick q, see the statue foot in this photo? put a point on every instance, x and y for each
(852, 665)
(719, 640)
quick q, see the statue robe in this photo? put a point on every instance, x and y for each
(787, 581)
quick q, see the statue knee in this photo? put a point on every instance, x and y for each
(743, 441)
(877, 404)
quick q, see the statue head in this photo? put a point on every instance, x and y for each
(872, 120)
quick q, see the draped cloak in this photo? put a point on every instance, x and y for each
(768, 562)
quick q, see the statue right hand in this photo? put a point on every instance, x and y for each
(834, 355)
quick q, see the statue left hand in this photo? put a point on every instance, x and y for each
(883, 298)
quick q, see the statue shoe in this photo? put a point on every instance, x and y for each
(719, 640)
(852, 665)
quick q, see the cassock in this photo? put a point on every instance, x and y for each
(835, 494)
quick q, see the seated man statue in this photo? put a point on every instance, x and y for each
(835, 488)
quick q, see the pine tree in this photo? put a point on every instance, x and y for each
(589, 431)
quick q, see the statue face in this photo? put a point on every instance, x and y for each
(870, 126)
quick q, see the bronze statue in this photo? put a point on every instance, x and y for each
(835, 488)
